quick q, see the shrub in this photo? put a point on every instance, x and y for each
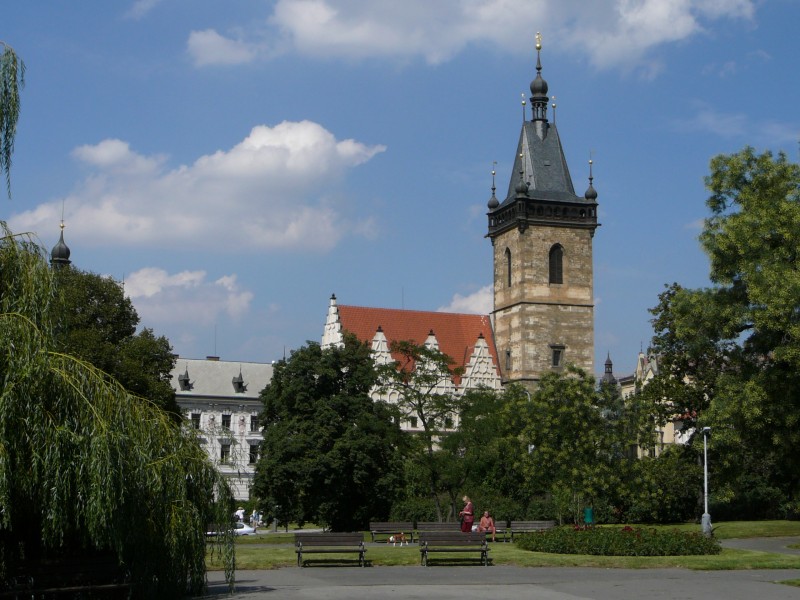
(615, 541)
(413, 509)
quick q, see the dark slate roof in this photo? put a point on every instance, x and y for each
(543, 165)
(60, 253)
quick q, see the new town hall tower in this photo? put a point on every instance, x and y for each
(542, 242)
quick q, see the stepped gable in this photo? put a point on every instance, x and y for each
(456, 333)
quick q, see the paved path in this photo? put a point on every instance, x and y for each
(514, 583)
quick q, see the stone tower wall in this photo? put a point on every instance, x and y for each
(533, 316)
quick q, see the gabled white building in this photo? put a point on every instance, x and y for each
(672, 432)
(465, 338)
(220, 399)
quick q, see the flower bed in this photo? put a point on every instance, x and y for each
(616, 541)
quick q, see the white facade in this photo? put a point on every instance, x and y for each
(221, 400)
(671, 432)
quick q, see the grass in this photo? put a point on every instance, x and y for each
(277, 550)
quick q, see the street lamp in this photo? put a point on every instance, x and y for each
(706, 522)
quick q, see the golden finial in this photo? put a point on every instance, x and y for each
(538, 41)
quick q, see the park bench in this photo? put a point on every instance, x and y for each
(436, 526)
(329, 543)
(450, 542)
(528, 526)
(392, 528)
(76, 577)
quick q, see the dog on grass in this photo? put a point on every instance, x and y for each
(397, 538)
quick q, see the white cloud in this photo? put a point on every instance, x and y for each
(613, 33)
(480, 302)
(769, 133)
(276, 189)
(141, 8)
(116, 156)
(210, 48)
(185, 297)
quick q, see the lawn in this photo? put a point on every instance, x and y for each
(276, 550)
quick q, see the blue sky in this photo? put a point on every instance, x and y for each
(237, 162)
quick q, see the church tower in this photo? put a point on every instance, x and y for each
(541, 237)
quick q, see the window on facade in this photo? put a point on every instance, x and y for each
(508, 267)
(508, 360)
(196, 420)
(225, 453)
(413, 421)
(558, 355)
(448, 422)
(253, 422)
(556, 264)
(226, 421)
(253, 454)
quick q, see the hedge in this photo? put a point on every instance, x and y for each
(616, 541)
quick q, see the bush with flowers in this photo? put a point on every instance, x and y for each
(619, 541)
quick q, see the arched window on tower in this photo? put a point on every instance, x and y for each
(556, 264)
(508, 267)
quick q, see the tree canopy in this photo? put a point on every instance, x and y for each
(97, 323)
(733, 349)
(85, 466)
(331, 454)
(420, 386)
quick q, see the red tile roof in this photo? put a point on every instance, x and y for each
(456, 333)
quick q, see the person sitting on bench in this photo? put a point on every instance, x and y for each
(487, 524)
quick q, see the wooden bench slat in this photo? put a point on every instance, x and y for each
(528, 526)
(329, 543)
(452, 541)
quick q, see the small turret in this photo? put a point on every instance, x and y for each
(59, 256)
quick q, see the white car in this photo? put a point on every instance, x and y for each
(239, 528)
(243, 529)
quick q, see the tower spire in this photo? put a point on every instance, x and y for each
(493, 201)
(539, 87)
(591, 193)
(59, 256)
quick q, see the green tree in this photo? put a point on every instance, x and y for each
(12, 80)
(330, 453)
(98, 324)
(488, 451)
(420, 385)
(86, 467)
(578, 442)
(736, 345)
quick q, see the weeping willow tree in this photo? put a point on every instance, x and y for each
(85, 467)
(12, 79)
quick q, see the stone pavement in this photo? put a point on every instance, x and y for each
(507, 583)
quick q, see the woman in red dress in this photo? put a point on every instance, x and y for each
(467, 515)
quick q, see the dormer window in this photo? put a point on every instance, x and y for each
(183, 381)
(239, 385)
